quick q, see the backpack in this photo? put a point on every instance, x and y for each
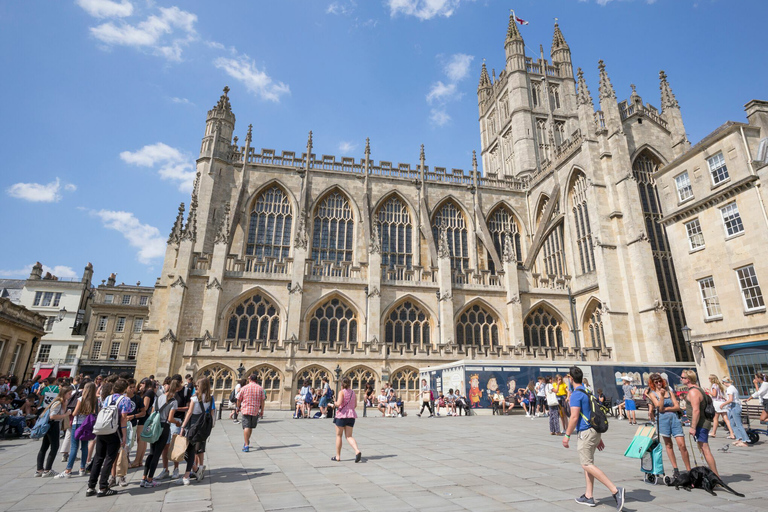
(153, 427)
(232, 396)
(597, 419)
(709, 408)
(308, 398)
(73, 400)
(84, 431)
(108, 420)
(201, 430)
(41, 425)
(329, 394)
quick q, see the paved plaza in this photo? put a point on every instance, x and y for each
(479, 463)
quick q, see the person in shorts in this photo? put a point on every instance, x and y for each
(345, 419)
(250, 402)
(589, 441)
(667, 407)
(629, 402)
(700, 425)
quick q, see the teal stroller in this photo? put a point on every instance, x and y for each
(647, 447)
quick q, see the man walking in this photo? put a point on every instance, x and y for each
(250, 402)
(700, 425)
(589, 441)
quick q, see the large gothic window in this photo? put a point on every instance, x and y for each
(583, 229)
(405, 381)
(221, 378)
(477, 326)
(450, 219)
(359, 377)
(502, 221)
(269, 231)
(642, 169)
(333, 322)
(270, 381)
(333, 230)
(553, 253)
(541, 328)
(406, 326)
(594, 327)
(313, 374)
(254, 319)
(396, 233)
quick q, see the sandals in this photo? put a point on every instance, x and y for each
(358, 457)
(334, 459)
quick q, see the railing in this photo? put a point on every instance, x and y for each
(551, 281)
(627, 110)
(252, 264)
(552, 71)
(413, 275)
(471, 277)
(201, 261)
(331, 269)
(532, 67)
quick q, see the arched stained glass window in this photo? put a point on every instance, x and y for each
(405, 382)
(359, 377)
(270, 381)
(221, 378)
(407, 326)
(541, 328)
(583, 229)
(395, 232)
(477, 326)
(450, 218)
(269, 231)
(254, 319)
(334, 322)
(333, 230)
(313, 374)
(594, 327)
(501, 221)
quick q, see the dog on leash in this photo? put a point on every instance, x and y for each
(699, 477)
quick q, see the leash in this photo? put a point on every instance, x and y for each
(693, 452)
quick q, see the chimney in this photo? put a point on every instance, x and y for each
(757, 115)
(88, 274)
(111, 280)
(37, 271)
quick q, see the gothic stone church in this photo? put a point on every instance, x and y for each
(300, 266)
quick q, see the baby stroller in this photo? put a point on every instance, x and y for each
(647, 447)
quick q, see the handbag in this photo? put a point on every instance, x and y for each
(552, 399)
(178, 448)
(122, 463)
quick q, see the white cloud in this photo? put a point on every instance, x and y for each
(347, 147)
(173, 164)
(342, 8)
(106, 8)
(244, 69)
(440, 92)
(423, 9)
(457, 67)
(165, 35)
(143, 237)
(183, 101)
(38, 193)
(439, 116)
(58, 271)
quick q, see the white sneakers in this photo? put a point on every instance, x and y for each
(175, 474)
(63, 474)
(122, 481)
(185, 481)
(163, 474)
(200, 472)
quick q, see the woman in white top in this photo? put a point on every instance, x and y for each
(717, 392)
(733, 406)
(426, 398)
(761, 385)
(166, 407)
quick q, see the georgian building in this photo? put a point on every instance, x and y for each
(299, 265)
(714, 201)
(113, 338)
(20, 329)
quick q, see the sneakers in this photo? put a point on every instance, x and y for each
(418, 414)
(583, 500)
(399, 415)
(323, 416)
(619, 497)
(122, 481)
(38, 474)
(185, 481)
(175, 474)
(82, 472)
(112, 482)
(200, 472)
(149, 485)
(63, 474)
(163, 474)
(48, 473)
(246, 448)
(235, 421)
(90, 492)
(64, 457)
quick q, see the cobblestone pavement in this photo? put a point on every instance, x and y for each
(479, 463)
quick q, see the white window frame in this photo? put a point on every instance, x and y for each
(40, 351)
(38, 298)
(133, 351)
(14, 359)
(114, 354)
(109, 298)
(126, 302)
(709, 298)
(120, 324)
(47, 299)
(731, 218)
(716, 163)
(71, 354)
(684, 187)
(691, 228)
(56, 299)
(96, 349)
(747, 287)
(138, 324)
(102, 325)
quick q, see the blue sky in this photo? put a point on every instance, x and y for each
(105, 100)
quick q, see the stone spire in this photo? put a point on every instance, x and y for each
(178, 227)
(558, 41)
(635, 98)
(606, 88)
(513, 34)
(668, 99)
(584, 97)
(223, 104)
(249, 135)
(485, 80)
(222, 236)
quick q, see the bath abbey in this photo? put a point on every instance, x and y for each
(296, 265)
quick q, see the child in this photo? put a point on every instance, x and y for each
(450, 403)
(440, 403)
(299, 399)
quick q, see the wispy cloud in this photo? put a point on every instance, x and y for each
(39, 193)
(172, 163)
(257, 81)
(106, 8)
(606, 2)
(457, 66)
(344, 8)
(440, 92)
(182, 101)
(57, 270)
(456, 69)
(145, 238)
(347, 147)
(423, 9)
(165, 33)
(439, 116)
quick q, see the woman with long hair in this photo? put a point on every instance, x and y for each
(345, 419)
(307, 395)
(147, 394)
(561, 391)
(86, 406)
(550, 395)
(761, 393)
(166, 406)
(201, 403)
(56, 412)
(717, 392)
(669, 412)
(732, 404)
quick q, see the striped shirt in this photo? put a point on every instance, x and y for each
(251, 397)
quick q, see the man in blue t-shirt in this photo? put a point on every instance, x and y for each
(589, 441)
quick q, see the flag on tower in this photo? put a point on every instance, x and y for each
(519, 20)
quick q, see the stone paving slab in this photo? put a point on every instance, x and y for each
(481, 463)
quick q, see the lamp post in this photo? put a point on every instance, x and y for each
(337, 371)
(687, 338)
(240, 371)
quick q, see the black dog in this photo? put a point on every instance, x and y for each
(699, 478)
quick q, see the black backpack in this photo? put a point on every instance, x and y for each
(597, 418)
(201, 430)
(709, 408)
(232, 396)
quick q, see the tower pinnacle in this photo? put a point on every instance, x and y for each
(668, 99)
(606, 88)
(485, 80)
(558, 41)
(584, 97)
(513, 34)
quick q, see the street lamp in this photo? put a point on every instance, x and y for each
(686, 334)
(62, 314)
(337, 371)
(240, 371)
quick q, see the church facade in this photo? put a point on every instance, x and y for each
(297, 266)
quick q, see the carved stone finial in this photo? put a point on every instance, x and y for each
(606, 88)
(367, 146)
(558, 40)
(474, 160)
(584, 97)
(249, 135)
(421, 154)
(169, 336)
(309, 143)
(190, 230)
(226, 90)
(668, 99)
(443, 250)
(178, 227)
(485, 80)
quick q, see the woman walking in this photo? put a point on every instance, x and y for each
(733, 405)
(554, 407)
(147, 393)
(426, 398)
(345, 419)
(629, 402)
(201, 403)
(166, 407)
(86, 406)
(561, 391)
(668, 408)
(717, 392)
(56, 412)
(306, 394)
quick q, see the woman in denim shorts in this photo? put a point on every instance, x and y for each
(665, 402)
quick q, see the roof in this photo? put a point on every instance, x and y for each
(720, 132)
